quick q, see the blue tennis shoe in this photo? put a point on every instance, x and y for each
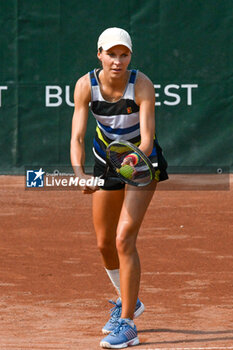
(121, 337)
(116, 314)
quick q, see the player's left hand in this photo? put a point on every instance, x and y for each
(131, 159)
(128, 161)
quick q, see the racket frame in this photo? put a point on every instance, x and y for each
(136, 150)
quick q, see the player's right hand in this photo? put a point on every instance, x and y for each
(88, 189)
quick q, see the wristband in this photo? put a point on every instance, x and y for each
(135, 158)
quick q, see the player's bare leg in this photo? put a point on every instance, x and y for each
(133, 210)
(106, 211)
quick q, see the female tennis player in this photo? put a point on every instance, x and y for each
(123, 102)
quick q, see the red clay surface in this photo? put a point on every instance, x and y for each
(54, 291)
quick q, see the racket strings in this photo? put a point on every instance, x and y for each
(139, 173)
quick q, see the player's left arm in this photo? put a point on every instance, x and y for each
(145, 99)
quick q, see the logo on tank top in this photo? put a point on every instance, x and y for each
(129, 110)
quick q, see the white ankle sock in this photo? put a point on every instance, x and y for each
(114, 276)
(129, 321)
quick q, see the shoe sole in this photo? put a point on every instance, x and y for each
(137, 313)
(131, 342)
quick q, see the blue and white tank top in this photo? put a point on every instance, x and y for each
(115, 120)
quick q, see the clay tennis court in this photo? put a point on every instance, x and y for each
(54, 290)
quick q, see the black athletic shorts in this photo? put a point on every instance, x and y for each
(113, 182)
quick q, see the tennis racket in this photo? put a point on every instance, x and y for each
(129, 163)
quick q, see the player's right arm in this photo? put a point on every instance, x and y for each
(82, 97)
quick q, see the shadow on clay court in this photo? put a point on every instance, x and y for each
(194, 332)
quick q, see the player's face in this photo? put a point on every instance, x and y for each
(115, 61)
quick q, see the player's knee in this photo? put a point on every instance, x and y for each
(126, 240)
(125, 245)
(105, 246)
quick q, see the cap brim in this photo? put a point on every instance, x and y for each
(115, 43)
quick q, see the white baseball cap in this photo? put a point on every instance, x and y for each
(114, 36)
